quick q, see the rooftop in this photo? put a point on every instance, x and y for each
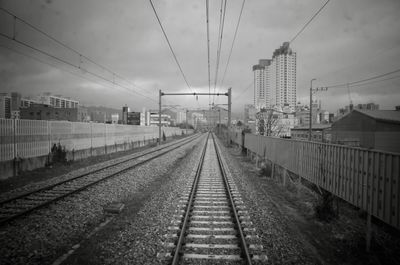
(383, 115)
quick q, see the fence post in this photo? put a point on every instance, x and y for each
(15, 169)
(91, 139)
(105, 138)
(272, 170)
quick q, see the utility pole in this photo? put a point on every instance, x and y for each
(229, 106)
(159, 118)
(187, 111)
(229, 113)
(219, 124)
(310, 128)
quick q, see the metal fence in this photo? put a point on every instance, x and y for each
(368, 179)
(33, 138)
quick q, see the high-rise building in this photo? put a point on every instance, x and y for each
(275, 80)
(283, 77)
(261, 83)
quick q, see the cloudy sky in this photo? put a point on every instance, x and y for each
(349, 40)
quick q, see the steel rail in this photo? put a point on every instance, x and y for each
(91, 172)
(177, 252)
(245, 250)
(52, 200)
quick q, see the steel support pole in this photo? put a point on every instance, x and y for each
(219, 124)
(229, 113)
(159, 118)
(310, 128)
(187, 121)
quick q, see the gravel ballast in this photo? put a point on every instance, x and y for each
(43, 236)
(138, 234)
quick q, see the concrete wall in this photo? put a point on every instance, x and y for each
(27, 144)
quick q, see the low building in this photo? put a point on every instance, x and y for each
(133, 118)
(46, 112)
(319, 133)
(83, 114)
(374, 129)
(57, 101)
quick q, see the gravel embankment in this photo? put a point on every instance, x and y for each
(138, 234)
(72, 174)
(281, 243)
(48, 233)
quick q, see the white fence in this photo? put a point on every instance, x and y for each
(33, 138)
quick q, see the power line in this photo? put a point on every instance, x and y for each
(303, 28)
(377, 81)
(71, 65)
(233, 42)
(247, 88)
(208, 50)
(170, 47)
(62, 44)
(364, 80)
(220, 36)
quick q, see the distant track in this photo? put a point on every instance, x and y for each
(23, 204)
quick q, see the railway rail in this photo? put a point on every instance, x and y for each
(211, 224)
(23, 204)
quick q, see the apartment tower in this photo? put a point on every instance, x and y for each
(283, 78)
(262, 83)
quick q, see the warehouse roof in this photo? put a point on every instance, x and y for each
(383, 115)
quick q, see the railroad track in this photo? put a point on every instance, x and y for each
(211, 224)
(23, 204)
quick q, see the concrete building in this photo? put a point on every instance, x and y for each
(262, 74)
(319, 133)
(283, 77)
(83, 115)
(46, 112)
(275, 80)
(249, 113)
(5, 106)
(165, 119)
(133, 118)
(57, 101)
(374, 129)
(98, 116)
(114, 118)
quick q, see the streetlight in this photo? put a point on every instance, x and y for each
(310, 128)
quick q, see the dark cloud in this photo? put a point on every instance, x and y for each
(348, 41)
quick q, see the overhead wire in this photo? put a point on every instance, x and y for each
(309, 21)
(247, 88)
(81, 55)
(75, 74)
(233, 42)
(170, 47)
(220, 37)
(208, 51)
(364, 80)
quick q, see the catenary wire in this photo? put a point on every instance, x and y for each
(170, 47)
(233, 42)
(364, 80)
(220, 37)
(304, 27)
(208, 51)
(74, 66)
(73, 73)
(114, 74)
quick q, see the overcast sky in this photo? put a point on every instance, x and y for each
(349, 40)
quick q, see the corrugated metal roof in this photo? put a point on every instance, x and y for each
(384, 115)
